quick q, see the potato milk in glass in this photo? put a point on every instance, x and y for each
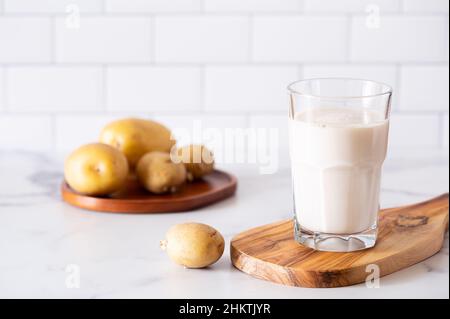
(338, 143)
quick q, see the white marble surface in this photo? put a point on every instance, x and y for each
(119, 256)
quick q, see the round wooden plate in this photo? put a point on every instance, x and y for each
(134, 199)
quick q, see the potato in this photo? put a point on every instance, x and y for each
(136, 137)
(193, 245)
(199, 161)
(158, 174)
(96, 169)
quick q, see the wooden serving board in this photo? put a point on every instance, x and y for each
(407, 235)
(134, 199)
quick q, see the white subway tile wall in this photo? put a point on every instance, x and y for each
(67, 67)
(2, 90)
(216, 131)
(200, 39)
(420, 6)
(424, 88)
(299, 39)
(445, 131)
(52, 6)
(103, 40)
(252, 5)
(386, 73)
(25, 39)
(279, 122)
(414, 130)
(33, 132)
(156, 88)
(352, 6)
(400, 39)
(137, 6)
(247, 88)
(53, 88)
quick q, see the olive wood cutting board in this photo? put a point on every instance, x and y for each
(407, 235)
(134, 199)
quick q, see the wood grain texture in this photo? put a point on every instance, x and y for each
(134, 199)
(407, 235)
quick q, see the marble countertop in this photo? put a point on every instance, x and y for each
(45, 244)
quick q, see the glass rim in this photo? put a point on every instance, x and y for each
(387, 89)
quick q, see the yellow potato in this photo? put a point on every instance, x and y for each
(193, 245)
(96, 169)
(158, 174)
(136, 137)
(199, 161)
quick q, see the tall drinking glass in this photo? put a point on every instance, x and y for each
(338, 143)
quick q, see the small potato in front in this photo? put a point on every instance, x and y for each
(193, 245)
(96, 169)
(158, 174)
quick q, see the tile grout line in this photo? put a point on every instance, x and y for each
(325, 14)
(228, 63)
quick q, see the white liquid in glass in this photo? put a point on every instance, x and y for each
(337, 154)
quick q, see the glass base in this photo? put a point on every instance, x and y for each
(336, 242)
